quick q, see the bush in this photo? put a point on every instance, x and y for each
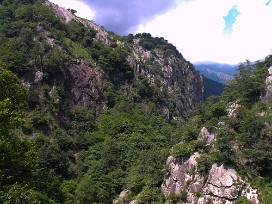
(186, 149)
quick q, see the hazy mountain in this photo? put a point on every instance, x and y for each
(216, 71)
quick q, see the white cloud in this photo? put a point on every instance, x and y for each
(197, 29)
(83, 10)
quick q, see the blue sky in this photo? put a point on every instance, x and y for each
(227, 31)
(230, 19)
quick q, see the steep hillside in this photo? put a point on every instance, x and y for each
(224, 155)
(84, 113)
(212, 88)
(87, 116)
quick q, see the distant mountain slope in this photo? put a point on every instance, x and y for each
(212, 87)
(216, 71)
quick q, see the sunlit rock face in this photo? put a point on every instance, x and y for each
(222, 185)
(183, 175)
(267, 97)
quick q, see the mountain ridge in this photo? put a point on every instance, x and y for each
(218, 72)
(87, 115)
(97, 106)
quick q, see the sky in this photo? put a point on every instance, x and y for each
(225, 31)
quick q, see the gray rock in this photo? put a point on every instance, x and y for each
(205, 135)
(251, 194)
(267, 97)
(183, 174)
(233, 109)
(207, 199)
(122, 197)
(223, 183)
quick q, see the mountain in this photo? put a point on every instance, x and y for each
(227, 159)
(218, 72)
(87, 116)
(85, 113)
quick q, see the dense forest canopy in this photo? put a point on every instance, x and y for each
(53, 151)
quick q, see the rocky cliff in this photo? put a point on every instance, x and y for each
(169, 80)
(221, 185)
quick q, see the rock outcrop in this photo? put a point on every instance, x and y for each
(173, 71)
(63, 13)
(183, 175)
(233, 109)
(122, 198)
(84, 85)
(66, 16)
(267, 97)
(222, 185)
(251, 194)
(206, 136)
(166, 78)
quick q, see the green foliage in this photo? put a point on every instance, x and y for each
(55, 62)
(13, 101)
(24, 194)
(265, 185)
(115, 65)
(205, 161)
(78, 51)
(55, 152)
(18, 155)
(181, 197)
(128, 154)
(248, 84)
(150, 43)
(212, 88)
(77, 32)
(242, 200)
(186, 149)
(150, 195)
(68, 188)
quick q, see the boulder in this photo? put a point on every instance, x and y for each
(205, 135)
(183, 175)
(223, 183)
(122, 197)
(233, 109)
(251, 194)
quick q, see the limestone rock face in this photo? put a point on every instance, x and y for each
(174, 71)
(251, 194)
(183, 175)
(84, 85)
(63, 13)
(267, 97)
(233, 109)
(122, 198)
(222, 183)
(205, 135)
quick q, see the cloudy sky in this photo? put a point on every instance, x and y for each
(227, 31)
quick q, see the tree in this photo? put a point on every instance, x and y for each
(73, 11)
(13, 101)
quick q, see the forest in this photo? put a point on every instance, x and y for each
(55, 150)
